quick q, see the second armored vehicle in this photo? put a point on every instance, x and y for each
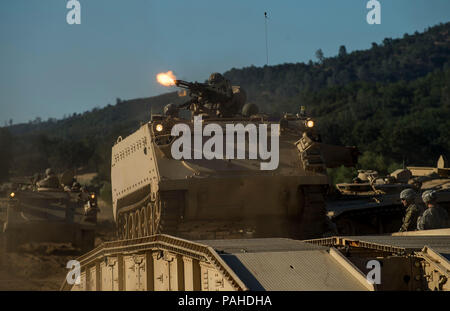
(46, 211)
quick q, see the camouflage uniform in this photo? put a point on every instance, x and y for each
(412, 210)
(234, 95)
(410, 219)
(433, 218)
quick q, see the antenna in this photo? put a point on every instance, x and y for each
(267, 49)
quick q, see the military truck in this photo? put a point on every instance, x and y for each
(59, 214)
(153, 192)
(371, 203)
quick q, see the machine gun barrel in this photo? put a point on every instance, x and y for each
(203, 90)
(183, 84)
(193, 86)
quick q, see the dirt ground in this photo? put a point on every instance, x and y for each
(42, 266)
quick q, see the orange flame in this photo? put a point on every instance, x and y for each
(166, 78)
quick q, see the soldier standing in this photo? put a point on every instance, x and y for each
(434, 217)
(407, 197)
(230, 99)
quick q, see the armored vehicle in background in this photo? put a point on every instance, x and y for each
(62, 213)
(371, 204)
(152, 192)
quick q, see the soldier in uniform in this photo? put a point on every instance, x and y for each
(232, 98)
(50, 180)
(249, 109)
(434, 217)
(407, 197)
(76, 187)
(170, 110)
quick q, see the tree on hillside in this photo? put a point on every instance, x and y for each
(342, 51)
(320, 56)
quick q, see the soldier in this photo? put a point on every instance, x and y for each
(249, 109)
(415, 183)
(434, 217)
(50, 180)
(222, 85)
(76, 187)
(234, 95)
(407, 197)
(170, 110)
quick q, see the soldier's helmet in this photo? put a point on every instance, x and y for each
(216, 78)
(249, 109)
(429, 196)
(49, 172)
(408, 194)
(170, 110)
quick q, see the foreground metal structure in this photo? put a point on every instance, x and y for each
(415, 261)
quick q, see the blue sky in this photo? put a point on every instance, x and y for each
(49, 68)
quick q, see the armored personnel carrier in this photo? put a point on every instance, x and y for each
(36, 212)
(223, 197)
(371, 203)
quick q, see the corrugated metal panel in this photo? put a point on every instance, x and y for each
(293, 270)
(260, 245)
(440, 244)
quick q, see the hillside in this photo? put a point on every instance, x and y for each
(392, 101)
(408, 58)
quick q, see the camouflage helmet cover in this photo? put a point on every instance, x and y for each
(249, 109)
(408, 195)
(215, 78)
(170, 109)
(429, 196)
(49, 172)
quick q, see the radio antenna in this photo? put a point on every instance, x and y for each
(267, 49)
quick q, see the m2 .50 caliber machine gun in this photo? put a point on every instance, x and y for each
(216, 100)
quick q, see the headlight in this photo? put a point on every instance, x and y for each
(12, 195)
(159, 127)
(310, 123)
(92, 196)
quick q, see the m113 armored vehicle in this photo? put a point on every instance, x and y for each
(50, 210)
(195, 198)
